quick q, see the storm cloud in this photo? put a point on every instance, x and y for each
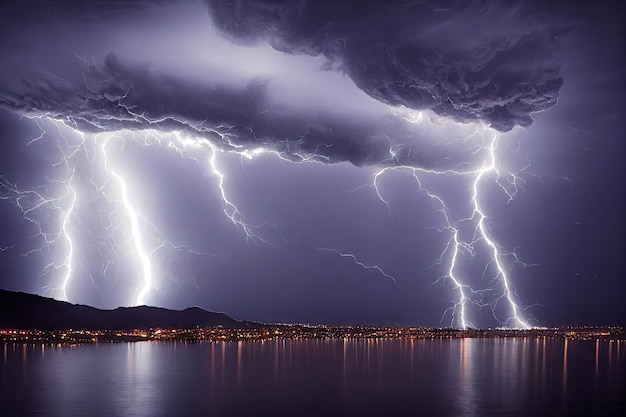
(468, 62)
(198, 108)
(464, 60)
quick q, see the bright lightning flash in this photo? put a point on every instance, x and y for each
(128, 243)
(90, 198)
(486, 169)
(90, 183)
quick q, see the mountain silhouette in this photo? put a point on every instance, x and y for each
(20, 310)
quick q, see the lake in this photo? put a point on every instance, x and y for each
(351, 377)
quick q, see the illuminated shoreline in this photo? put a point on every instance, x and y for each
(299, 332)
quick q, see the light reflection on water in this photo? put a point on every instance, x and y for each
(461, 377)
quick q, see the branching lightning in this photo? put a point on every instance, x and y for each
(362, 265)
(126, 237)
(500, 283)
(146, 265)
(230, 210)
(68, 238)
(52, 231)
(491, 166)
(123, 235)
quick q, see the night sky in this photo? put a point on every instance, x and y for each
(436, 163)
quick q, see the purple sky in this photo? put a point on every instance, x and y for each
(440, 164)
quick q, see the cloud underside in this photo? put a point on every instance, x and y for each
(467, 62)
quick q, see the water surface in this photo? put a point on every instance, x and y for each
(449, 377)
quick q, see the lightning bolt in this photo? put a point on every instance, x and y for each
(133, 217)
(68, 238)
(491, 166)
(478, 174)
(362, 265)
(58, 212)
(53, 231)
(126, 230)
(230, 210)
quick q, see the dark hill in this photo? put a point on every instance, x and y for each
(19, 310)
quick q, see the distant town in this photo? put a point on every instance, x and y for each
(58, 322)
(296, 332)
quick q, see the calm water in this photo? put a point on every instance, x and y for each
(459, 377)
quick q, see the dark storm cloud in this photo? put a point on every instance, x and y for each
(122, 95)
(416, 55)
(467, 61)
